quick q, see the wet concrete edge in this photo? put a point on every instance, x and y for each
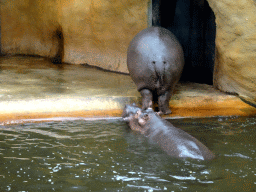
(195, 109)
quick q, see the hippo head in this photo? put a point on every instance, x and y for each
(136, 117)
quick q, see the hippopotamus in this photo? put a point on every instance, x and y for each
(174, 141)
(155, 62)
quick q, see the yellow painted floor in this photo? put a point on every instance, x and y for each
(34, 88)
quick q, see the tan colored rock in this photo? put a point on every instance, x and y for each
(235, 66)
(28, 27)
(96, 32)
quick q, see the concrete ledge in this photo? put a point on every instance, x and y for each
(33, 89)
(193, 107)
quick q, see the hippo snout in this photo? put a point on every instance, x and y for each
(129, 111)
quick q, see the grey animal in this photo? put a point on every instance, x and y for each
(174, 141)
(155, 62)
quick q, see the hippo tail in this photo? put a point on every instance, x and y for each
(159, 69)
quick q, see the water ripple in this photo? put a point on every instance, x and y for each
(104, 155)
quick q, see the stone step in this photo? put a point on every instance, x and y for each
(34, 88)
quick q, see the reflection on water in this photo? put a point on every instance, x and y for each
(104, 155)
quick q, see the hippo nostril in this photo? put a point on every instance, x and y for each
(164, 62)
(154, 62)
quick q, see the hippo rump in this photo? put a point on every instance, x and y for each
(155, 62)
(174, 141)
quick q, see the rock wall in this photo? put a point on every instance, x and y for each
(96, 32)
(235, 64)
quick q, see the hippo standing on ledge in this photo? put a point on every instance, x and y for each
(155, 61)
(174, 141)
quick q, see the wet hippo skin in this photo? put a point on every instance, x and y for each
(174, 141)
(155, 61)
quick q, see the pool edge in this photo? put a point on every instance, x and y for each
(196, 108)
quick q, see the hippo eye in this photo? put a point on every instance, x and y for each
(146, 117)
(154, 62)
(164, 62)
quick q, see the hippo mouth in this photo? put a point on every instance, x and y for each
(130, 111)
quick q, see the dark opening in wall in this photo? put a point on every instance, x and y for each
(193, 23)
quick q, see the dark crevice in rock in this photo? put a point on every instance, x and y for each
(60, 52)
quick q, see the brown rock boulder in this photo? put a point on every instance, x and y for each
(235, 66)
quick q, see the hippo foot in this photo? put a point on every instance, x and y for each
(147, 99)
(166, 112)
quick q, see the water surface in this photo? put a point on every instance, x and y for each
(104, 155)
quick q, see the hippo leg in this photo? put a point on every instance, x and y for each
(163, 103)
(147, 99)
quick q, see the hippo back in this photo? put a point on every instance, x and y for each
(159, 46)
(174, 141)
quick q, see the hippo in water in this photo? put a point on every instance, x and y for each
(174, 141)
(155, 62)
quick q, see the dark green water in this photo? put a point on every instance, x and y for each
(104, 155)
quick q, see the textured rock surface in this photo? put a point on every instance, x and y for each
(96, 32)
(235, 66)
